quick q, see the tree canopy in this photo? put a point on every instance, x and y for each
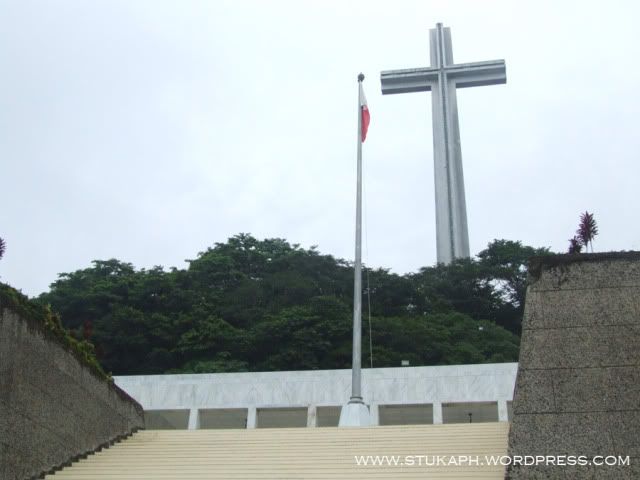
(255, 305)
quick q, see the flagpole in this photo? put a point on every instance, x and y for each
(356, 377)
(355, 413)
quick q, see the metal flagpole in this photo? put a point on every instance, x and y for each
(356, 380)
(355, 413)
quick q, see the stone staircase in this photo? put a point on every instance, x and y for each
(297, 453)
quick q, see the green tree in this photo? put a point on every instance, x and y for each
(505, 262)
(249, 304)
(460, 287)
(439, 339)
(311, 337)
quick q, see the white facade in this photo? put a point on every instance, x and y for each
(437, 390)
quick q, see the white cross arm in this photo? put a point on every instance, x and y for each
(493, 72)
(408, 80)
(474, 74)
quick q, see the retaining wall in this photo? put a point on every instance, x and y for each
(578, 383)
(52, 407)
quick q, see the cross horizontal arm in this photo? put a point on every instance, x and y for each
(408, 80)
(476, 74)
(464, 75)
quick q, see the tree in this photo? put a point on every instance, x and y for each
(249, 304)
(391, 295)
(505, 262)
(459, 286)
(2, 247)
(439, 339)
(587, 229)
(314, 336)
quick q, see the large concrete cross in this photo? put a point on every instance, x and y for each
(442, 79)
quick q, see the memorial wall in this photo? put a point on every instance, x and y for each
(53, 407)
(578, 384)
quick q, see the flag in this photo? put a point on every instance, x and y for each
(364, 112)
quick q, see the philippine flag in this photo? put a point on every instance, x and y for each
(364, 111)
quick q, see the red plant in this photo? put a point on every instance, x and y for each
(87, 330)
(587, 229)
(575, 246)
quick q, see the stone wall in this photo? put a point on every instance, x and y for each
(52, 407)
(578, 384)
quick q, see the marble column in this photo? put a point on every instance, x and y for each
(194, 419)
(312, 416)
(252, 417)
(374, 411)
(503, 412)
(437, 413)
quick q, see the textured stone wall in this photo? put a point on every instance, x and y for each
(52, 407)
(578, 384)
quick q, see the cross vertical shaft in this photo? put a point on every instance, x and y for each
(452, 234)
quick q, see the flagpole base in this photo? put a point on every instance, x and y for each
(355, 414)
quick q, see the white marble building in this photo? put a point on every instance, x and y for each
(402, 395)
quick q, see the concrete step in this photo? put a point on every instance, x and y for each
(299, 453)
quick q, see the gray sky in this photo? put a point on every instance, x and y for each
(149, 130)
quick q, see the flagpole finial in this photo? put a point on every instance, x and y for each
(360, 77)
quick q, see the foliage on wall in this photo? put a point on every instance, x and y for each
(42, 318)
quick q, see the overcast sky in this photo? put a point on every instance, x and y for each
(149, 130)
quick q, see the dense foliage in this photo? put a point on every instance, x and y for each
(251, 305)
